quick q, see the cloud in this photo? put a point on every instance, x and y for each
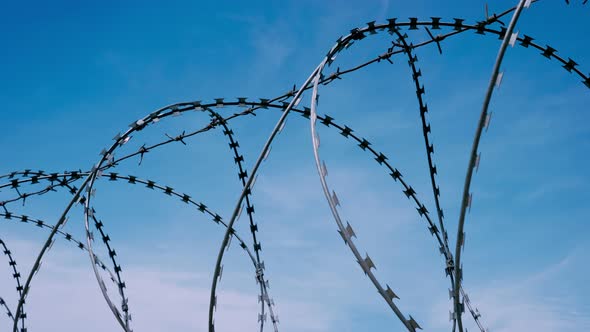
(526, 303)
(65, 297)
(383, 11)
(272, 46)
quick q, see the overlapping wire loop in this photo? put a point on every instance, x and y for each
(81, 184)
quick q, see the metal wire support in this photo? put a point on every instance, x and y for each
(483, 119)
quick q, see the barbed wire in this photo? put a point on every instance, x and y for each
(328, 121)
(285, 103)
(5, 306)
(509, 38)
(16, 275)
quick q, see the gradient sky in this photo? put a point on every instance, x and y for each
(74, 75)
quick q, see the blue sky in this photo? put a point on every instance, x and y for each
(73, 75)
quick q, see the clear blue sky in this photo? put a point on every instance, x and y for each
(73, 75)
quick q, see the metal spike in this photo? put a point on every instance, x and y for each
(513, 38)
(228, 243)
(350, 231)
(267, 152)
(487, 121)
(253, 182)
(240, 212)
(38, 268)
(335, 199)
(463, 241)
(369, 262)
(125, 140)
(282, 126)
(414, 324)
(324, 169)
(50, 244)
(65, 222)
(390, 293)
(499, 79)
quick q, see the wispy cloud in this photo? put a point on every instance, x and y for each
(528, 303)
(271, 41)
(65, 297)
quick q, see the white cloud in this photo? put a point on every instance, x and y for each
(65, 297)
(522, 304)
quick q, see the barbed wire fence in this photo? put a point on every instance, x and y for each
(81, 184)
